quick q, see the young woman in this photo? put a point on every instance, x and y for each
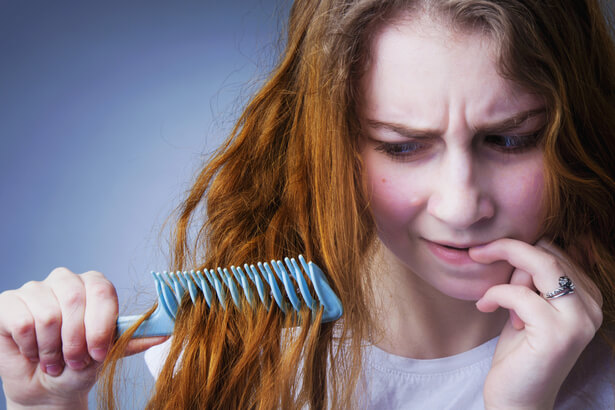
(448, 163)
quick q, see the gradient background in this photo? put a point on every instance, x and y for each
(106, 112)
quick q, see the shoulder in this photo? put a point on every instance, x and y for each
(591, 382)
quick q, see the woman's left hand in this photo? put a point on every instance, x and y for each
(544, 337)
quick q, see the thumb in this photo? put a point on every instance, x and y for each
(141, 344)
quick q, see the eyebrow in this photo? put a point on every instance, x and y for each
(497, 127)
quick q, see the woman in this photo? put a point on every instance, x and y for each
(450, 166)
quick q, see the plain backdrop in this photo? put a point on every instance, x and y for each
(107, 110)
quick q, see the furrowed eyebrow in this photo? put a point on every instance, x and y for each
(403, 130)
(511, 123)
(500, 126)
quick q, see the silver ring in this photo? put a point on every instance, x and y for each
(566, 287)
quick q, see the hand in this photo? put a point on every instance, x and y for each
(543, 338)
(54, 335)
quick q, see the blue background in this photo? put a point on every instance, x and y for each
(107, 110)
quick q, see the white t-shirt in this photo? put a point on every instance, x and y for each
(456, 382)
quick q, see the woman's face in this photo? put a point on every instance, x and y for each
(450, 154)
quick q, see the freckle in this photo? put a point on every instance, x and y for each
(384, 181)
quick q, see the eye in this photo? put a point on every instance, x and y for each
(512, 143)
(402, 150)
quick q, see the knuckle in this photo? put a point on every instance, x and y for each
(552, 263)
(103, 290)
(596, 318)
(74, 298)
(7, 295)
(599, 317)
(22, 327)
(59, 273)
(49, 319)
(595, 294)
(93, 274)
(31, 285)
(588, 332)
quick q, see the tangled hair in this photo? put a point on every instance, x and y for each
(289, 181)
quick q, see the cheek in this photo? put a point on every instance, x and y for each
(395, 197)
(521, 198)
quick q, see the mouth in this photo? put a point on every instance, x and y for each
(457, 245)
(458, 248)
(451, 253)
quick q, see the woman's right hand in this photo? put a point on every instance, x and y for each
(54, 335)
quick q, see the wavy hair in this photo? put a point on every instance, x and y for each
(289, 180)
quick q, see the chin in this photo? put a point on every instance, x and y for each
(473, 287)
(467, 294)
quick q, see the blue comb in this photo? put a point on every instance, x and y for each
(215, 284)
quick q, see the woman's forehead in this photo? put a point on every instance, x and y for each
(421, 70)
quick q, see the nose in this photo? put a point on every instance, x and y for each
(458, 198)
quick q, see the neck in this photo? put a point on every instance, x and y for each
(420, 322)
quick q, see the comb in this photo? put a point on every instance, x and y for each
(217, 284)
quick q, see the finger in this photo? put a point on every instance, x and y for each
(141, 344)
(582, 281)
(538, 315)
(544, 267)
(515, 320)
(100, 315)
(45, 309)
(530, 308)
(521, 278)
(70, 293)
(17, 323)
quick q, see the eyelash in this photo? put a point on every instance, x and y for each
(508, 144)
(513, 144)
(401, 151)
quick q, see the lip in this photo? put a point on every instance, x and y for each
(457, 245)
(452, 253)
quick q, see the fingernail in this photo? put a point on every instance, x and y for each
(99, 354)
(53, 369)
(76, 364)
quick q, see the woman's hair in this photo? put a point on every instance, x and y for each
(288, 181)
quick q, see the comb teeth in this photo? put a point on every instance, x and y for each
(217, 284)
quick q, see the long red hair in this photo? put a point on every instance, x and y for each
(289, 181)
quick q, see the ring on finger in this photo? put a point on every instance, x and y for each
(566, 287)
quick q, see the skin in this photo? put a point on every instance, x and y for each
(460, 185)
(54, 336)
(447, 167)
